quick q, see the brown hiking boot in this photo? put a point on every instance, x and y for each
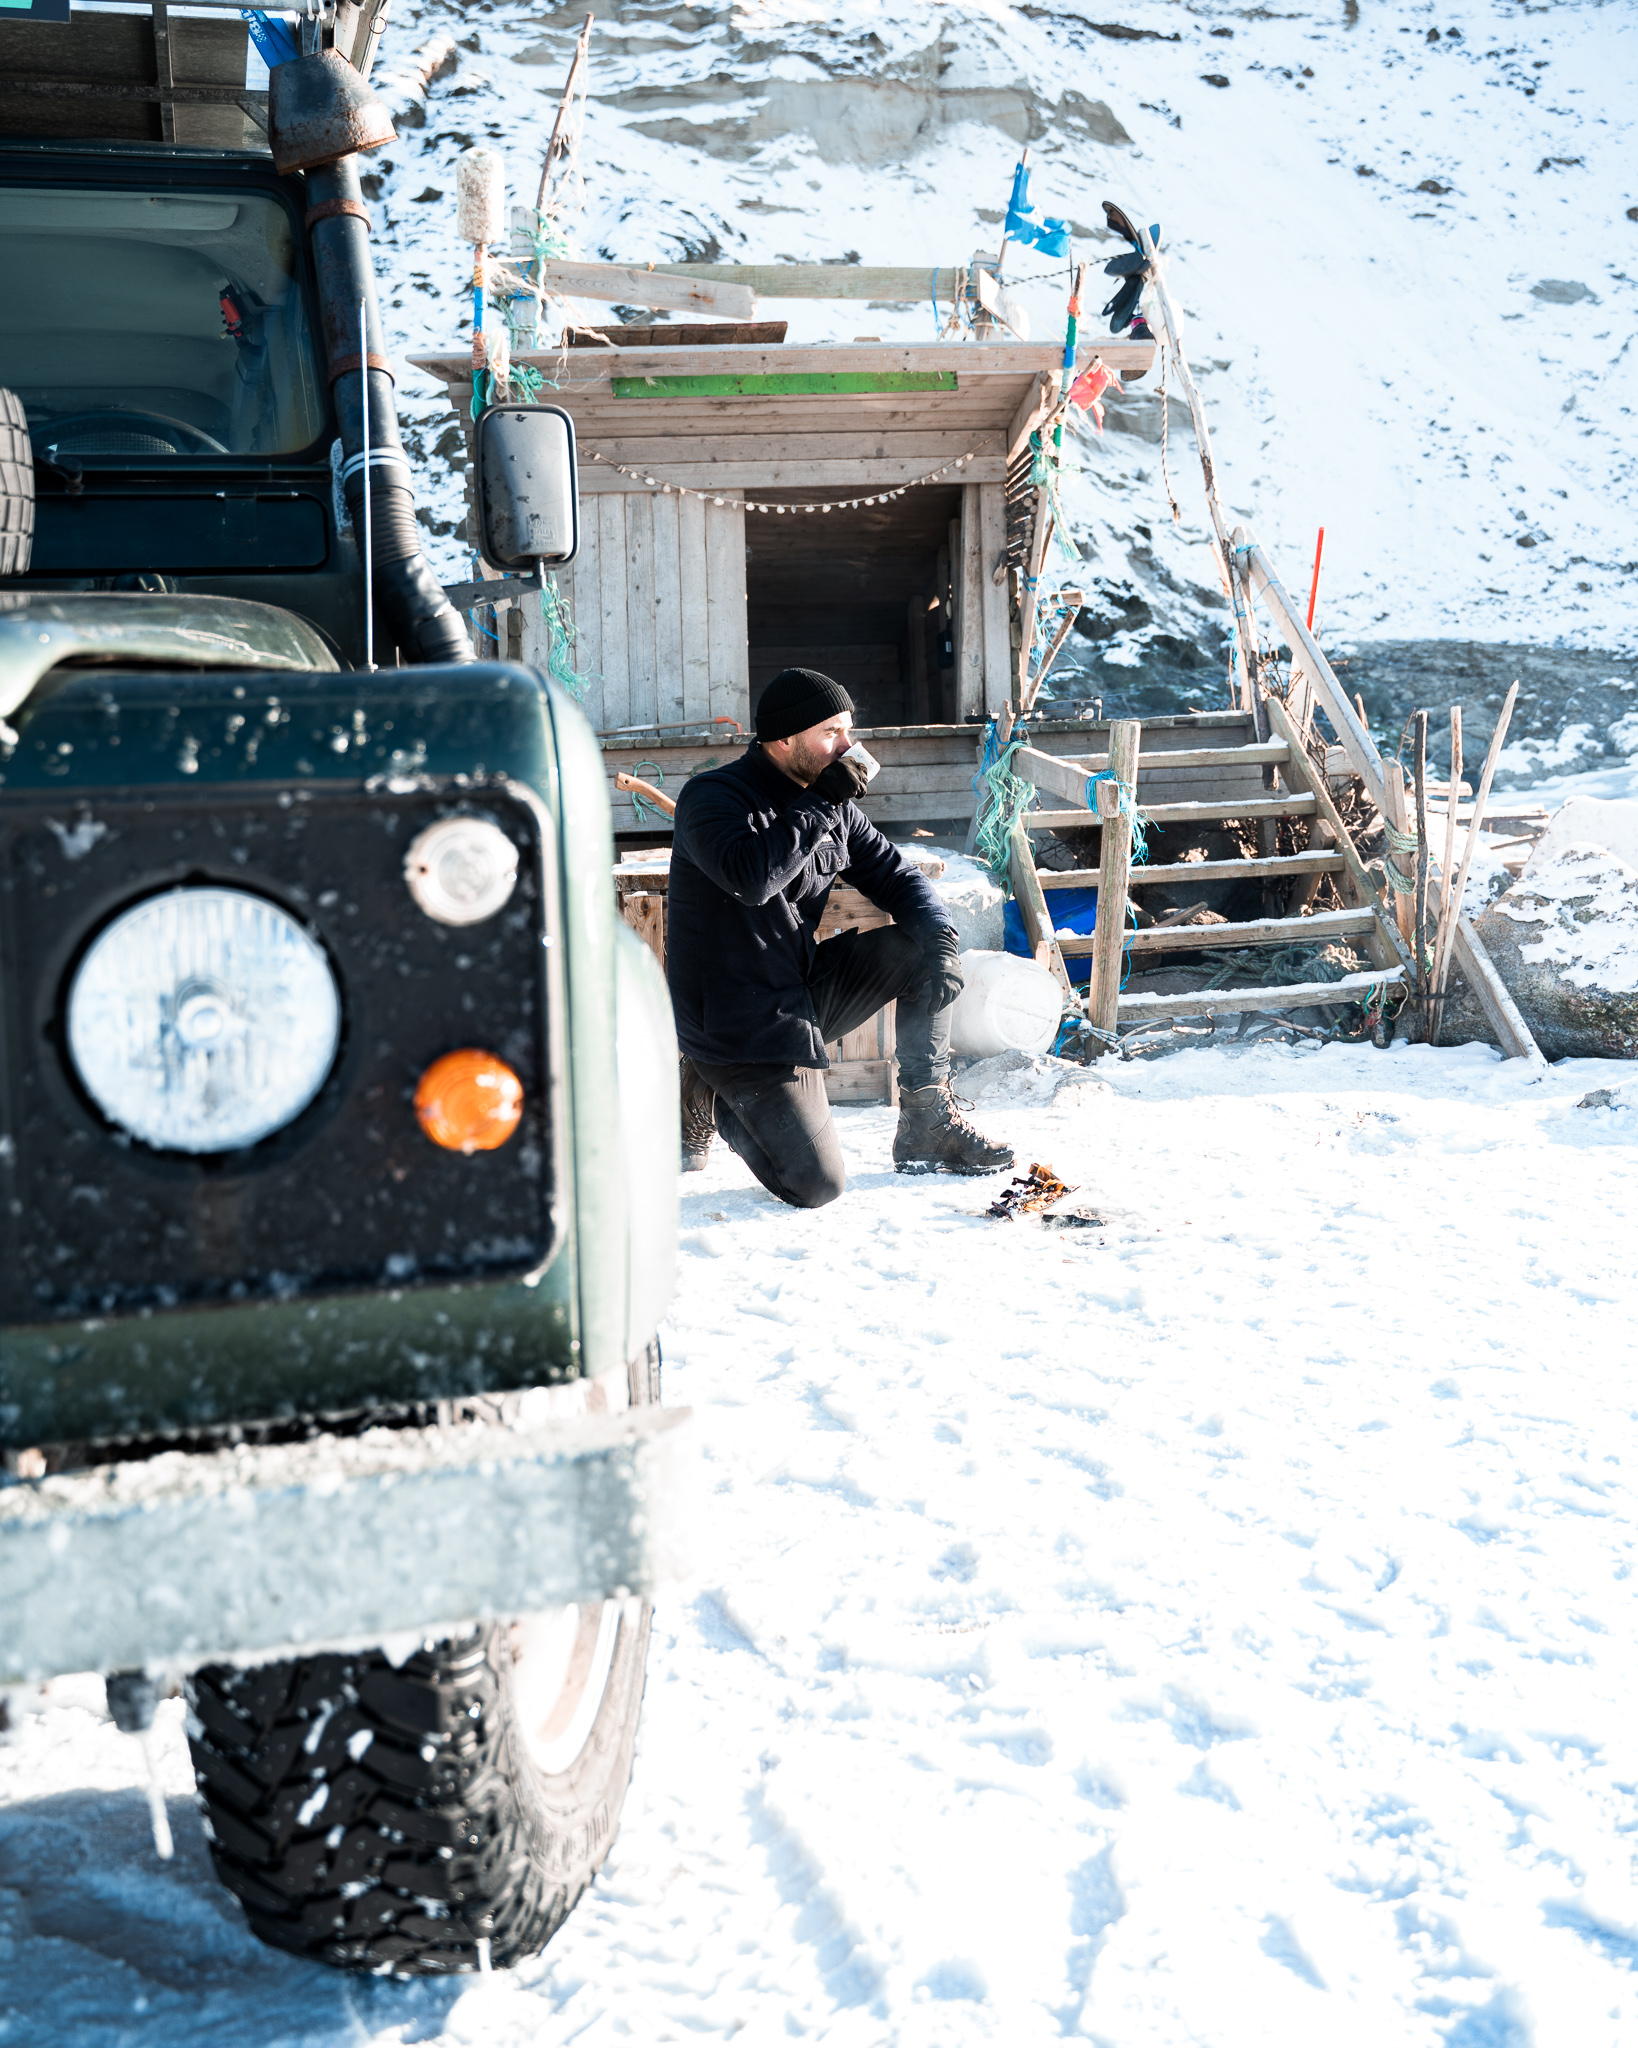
(934, 1137)
(699, 1119)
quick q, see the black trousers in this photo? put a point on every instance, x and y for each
(777, 1118)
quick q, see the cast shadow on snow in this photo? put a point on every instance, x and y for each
(1096, 1903)
(122, 1949)
(849, 1976)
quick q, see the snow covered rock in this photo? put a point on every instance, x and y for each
(973, 899)
(1022, 1077)
(1565, 936)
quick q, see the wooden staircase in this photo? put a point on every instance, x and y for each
(1289, 785)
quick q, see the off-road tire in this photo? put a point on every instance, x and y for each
(16, 487)
(389, 1816)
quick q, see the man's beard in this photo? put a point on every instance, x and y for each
(808, 761)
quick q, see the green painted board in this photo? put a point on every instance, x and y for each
(814, 384)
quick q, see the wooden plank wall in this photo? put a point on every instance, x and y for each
(657, 595)
(927, 772)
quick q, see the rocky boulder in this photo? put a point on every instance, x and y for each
(1564, 938)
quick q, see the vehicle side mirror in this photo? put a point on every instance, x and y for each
(526, 487)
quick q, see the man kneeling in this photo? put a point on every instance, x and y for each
(759, 845)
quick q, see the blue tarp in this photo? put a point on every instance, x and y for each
(1074, 910)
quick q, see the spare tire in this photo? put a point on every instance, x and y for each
(428, 1814)
(16, 487)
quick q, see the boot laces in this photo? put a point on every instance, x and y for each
(699, 1123)
(951, 1105)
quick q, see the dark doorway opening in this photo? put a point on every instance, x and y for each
(862, 594)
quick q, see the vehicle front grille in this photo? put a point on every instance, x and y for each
(349, 1196)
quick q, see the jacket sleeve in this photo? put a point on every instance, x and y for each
(751, 858)
(877, 869)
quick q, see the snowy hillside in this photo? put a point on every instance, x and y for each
(1403, 235)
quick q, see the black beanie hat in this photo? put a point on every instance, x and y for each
(796, 699)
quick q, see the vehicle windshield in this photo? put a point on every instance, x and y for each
(139, 324)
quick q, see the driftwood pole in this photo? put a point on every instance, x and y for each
(1481, 796)
(1245, 631)
(1441, 933)
(1114, 873)
(1424, 967)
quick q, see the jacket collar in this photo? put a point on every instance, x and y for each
(773, 779)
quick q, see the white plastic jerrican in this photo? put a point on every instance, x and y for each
(1008, 1005)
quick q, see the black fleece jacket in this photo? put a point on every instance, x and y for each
(752, 864)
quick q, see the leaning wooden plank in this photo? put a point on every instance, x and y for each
(1026, 887)
(1479, 970)
(630, 287)
(1263, 931)
(1352, 988)
(1363, 757)
(1032, 409)
(1300, 768)
(1059, 777)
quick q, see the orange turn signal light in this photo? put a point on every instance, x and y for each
(469, 1101)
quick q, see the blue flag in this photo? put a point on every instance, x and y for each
(274, 42)
(1050, 236)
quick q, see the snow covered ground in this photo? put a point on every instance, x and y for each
(1404, 243)
(1212, 1627)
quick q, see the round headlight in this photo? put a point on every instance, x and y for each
(203, 1020)
(461, 870)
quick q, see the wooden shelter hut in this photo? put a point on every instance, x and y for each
(748, 505)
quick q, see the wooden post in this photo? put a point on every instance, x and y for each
(1114, 874)
(1032, 906)
(1424, 978)
(1397, 812)
(1454, 928)
(1447, 866)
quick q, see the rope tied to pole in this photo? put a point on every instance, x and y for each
(1127, 792)
(1002, 798)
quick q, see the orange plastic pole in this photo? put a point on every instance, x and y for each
(1313, 588)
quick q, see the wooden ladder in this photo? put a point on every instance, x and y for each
(1305, 795)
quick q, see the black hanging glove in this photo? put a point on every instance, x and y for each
(843, 782)
(1134, 270)
(941, 979)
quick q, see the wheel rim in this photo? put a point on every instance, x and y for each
(561, 1665)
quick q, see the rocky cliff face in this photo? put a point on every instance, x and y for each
(1402, 248)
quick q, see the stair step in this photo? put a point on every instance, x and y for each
(1162, 876)
(1302, 806)
(1318, 930)
(1264, 753)
(1227, 1001)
